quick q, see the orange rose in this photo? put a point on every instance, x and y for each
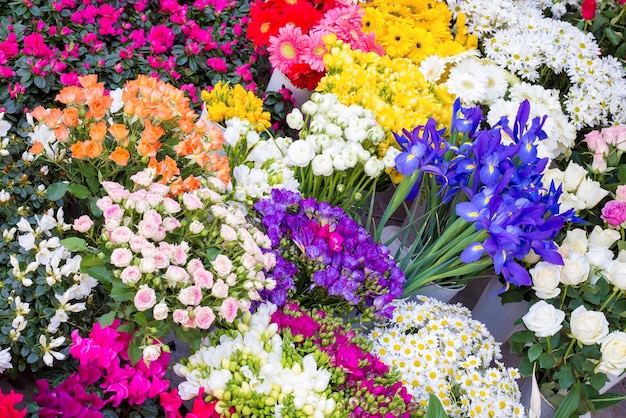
(119, 131)
(39, 113)
(70, 116)
(186, 125)
(99, 106)
(93, 149)
(164, 112)
(120, 156)
(148, 149)
(78, 150)
(61, 133)
(191, 183)
(71, 95)
(98, 131)
(176, 187)
(88, 80)
(151, 133)
(53, 118)
(36, 148)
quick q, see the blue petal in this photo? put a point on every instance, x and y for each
(407, 163)
(468, 211)
(473, 252)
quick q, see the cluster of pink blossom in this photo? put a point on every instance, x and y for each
(194, 257)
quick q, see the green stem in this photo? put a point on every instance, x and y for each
(615, 292)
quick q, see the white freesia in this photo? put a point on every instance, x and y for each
(589, 327)
(544, 319)
(47, 349)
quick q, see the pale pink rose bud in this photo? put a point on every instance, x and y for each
(145, 298)
(179, 255)
(114, 212)
(161, 261)
(103, 203)
(153, 199)
(160, 311)
(231, 279)
(191, 201)
(121, 234)
(248, 261)
(149, 250)
(194, 264)
(228, 233)
(191, 295)
(160, 234)
(599, 163)
(196, 227)
(151, 353)
(219, 211)
(596, 142)
(82, 224)
(166, 248)
(249, 245)
(204, 317)
(121, 257)
(153, 216)
(229, 309)
(203, 278)
(269, 260)
(137, 243)
(159, 189)
(144, 177)
(118, 195)
(176, 274)
(244, 305)
(147, 228)
(141, 206)
(130, 274)
(261, 239)
(111, 185)
(111, 223)
(171, 206)
(180, 316)
(620, 193)
(220, 289)
(170, 223)
(147, 265)
(222, 265)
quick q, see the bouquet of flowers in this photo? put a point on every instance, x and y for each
(324, 258)
(574, 332)
(111, 137)
(290, 359)
(439, 349)
(176, 263)
(478, 190)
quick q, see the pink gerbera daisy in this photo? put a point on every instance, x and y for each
(286, 48)
(314, 53)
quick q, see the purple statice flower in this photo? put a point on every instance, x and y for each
(335, 259)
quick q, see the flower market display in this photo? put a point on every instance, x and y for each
(183, 237)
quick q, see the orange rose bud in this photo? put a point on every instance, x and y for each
(176, 187)
(120, 156)
(93, 149)
(36, 148)
(71, 95)
(191, 183)
(119, 131)
(70, 116)
(98, 131)
(88, 80)
(78, 150)
(99, 106)
(147, 149)
(61, 133)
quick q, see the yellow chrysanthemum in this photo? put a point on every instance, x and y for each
(226, 102)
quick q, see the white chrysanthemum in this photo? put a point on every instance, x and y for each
(468, 80)
(432, 68)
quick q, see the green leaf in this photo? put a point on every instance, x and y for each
(93, 207)
(597, 381)
(109, 413)
(523, 337)
(565, 377)
(546, 361)
(100, 273)
(134, 352)
(56, 191)
(107, 319)
(140, 318)
(434, 408)
(212, 253)
(612, 36)
(79, 191)
(120, 292)
(534, 352)
(569, 404)
(74, 244)
(40, 82)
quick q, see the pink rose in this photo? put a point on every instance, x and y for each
(82, 224)
(161, 261)
(596, 142)
(599, 163)
(121, 257)
(191, 201)
(220, 289)
(170, 223)
(269, 260)
(145, 298)
(117, 195)
(153, 199)
(121, 234)
(621, 193)
(114, 211)
(180, 316)
(103, 203)
(130, 274)
(229, 309)
(614, 212)
(248, 261)
(616, 136)
(143, 178)
(194, 264)
(204, 317)
(171, 206)
(159, 189)
(203, 278)
(196, 227)
(176, 274)
(222, 265)
(137, 243)
(179, 255)
(151, 353)
(190, 296)
(147, 228)
(228, 233)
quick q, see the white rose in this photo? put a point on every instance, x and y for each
(147, 265)
(599, 257)
(160, 311)
(589, 327)
(151, 353)
(575, 269)
(615, 273)
(573, 176)
(546, 279)
(355, 134)
(591, 192)
(613, 353)
(552, 175)
(603, 237)
(300, 153)
(576, 240)
(322, 165)
(295, 120)
(544, 319)
(373, 167)
(196, 227)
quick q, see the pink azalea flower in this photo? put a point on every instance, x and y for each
(69, 79)
(217, 64)
(35, 44)
(161, 39)
(286, 48)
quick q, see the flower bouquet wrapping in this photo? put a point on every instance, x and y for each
(291, 361)
(324, 258)
(440, 350)
(176, 264)
(574, 330)
(484, 206)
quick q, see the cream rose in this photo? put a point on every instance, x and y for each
(589, 327)
(160, 311)
(544, 319)
(615, 273)
(151, 353)
(613, 353)
(575, 269)
(546, 280)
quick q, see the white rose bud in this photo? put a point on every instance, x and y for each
(160, 311)
(546, 279)
(615, 274)
(591, 192)
(613, 354)
(603, 238)
(589, 327)
(151, 353)
(544, 319)
(573, 176)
